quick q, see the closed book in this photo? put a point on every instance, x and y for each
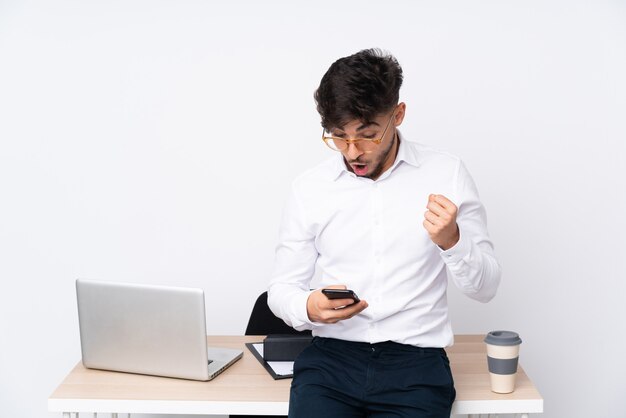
(278, 347)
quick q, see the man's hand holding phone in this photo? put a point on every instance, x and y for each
(321, 308)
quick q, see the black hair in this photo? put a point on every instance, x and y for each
(358, 87)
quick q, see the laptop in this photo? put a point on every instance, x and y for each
(147, 329)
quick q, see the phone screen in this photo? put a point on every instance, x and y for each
(341, 294)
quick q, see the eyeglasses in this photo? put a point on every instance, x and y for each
(366, 145)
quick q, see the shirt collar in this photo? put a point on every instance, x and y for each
(405, 154)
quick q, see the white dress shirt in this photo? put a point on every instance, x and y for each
(369, 236)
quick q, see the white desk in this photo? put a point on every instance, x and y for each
(246, 388)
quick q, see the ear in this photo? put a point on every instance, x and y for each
(400, 112)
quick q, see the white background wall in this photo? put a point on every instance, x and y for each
(154, 141)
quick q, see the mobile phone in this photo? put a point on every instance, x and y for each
(341, 294)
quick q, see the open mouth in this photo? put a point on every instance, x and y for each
(359, 169)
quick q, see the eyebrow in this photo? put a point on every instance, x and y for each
(363, 126)
(366, 125)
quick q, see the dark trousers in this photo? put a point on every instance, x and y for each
(343, 379)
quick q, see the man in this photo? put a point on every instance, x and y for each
(392, 220)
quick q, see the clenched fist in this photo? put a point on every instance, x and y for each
(440, 221)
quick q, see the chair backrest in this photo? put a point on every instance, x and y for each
(263, 321)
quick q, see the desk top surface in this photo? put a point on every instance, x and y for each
(247, 380)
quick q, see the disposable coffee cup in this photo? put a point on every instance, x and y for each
(502, 358)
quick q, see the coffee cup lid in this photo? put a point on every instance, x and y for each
(503, 338)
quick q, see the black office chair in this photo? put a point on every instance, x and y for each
(262, 322)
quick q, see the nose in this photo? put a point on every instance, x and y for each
(353, 152)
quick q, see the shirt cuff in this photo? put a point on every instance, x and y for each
(459, 251)
(299, 306)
